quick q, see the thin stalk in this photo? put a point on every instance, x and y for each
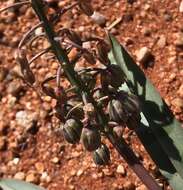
(39, 55)
(27, 34)
(73, 77)
(129, 156)
(14, 5)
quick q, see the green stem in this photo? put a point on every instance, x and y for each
(82, 90)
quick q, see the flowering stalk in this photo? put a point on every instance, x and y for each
(82, 90)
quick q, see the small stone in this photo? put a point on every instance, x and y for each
(179, 39)
(162, 41)
(128, 186)
(178, 103)
(45, 177)
(27, 120)
(15, 88)
(181, 7)
(79, 172)
(142, 187)
(180, 91)
(19, 176)
(144, 55)
(121, 170)
(146, 31)
(3, 143)
(3, 73)
(99, 18)
(32, 178)
(39, 167)
(55, 160)
(167, 17)
(108, 172)
(16, 161)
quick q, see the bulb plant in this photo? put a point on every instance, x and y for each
(94, 107)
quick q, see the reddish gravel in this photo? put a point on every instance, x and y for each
(44, 157)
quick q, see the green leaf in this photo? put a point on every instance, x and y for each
(12, 184)
(161, 127)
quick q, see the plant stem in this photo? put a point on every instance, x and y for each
(133, 162)
(14, 5)
(73, 77)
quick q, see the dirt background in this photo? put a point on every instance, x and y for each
(42, 156)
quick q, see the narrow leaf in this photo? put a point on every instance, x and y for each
(166, 130)
(12, 184)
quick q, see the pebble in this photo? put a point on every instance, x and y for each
(16, 161)
(45, 177)
(179, 39)
(3, 143)
(14, 88)
(39, 167)
(180, 91)
(29, 121)
(181, 7)
(121, 170)
(79, 172)
(32, 178)
(128, 186)
(178, 103)
(3, 73)
(162, 41)
(98, 18)
(143, 55)
(55, 160)
(19, 176)
(142, 187)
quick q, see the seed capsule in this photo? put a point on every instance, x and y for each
(88, 79)
(103, 50)
(131, 103)
(89, 58)
(72, 131)
(101, 156)
(90, 138)
(113, 76)
(117, 111)
(73, 36)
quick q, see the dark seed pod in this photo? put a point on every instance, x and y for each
(86, 7)
(73, 36)
(101, 156)
(103, 50)
(88, 79)
(98, 94)
(72, 131)
(116, 111)
(113, 76)
(90, 138)
(89, 58)
(134, 121)
(131, 103)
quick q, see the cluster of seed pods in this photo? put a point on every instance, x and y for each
(78, 114)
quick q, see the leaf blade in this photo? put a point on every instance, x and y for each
(166, 129)
(13, 184)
